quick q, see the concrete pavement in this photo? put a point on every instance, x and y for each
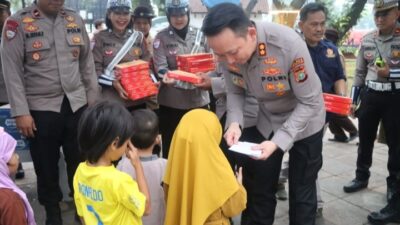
(338, 169)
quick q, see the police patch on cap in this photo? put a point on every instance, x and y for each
(381, 5)
(119, 3)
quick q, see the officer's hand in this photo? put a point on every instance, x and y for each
(120, 90)
(26, 125)
(233, 134)
(205, 81)
(353, 108)
(383, 71)
(266, 148)
(167, 80)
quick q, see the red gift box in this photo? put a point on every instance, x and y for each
(136, 80)
(337, 104)
(184, 76)
(194, 63)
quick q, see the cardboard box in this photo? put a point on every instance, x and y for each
(337, 110)
(191, 57)
(184, 76)
(10, 127)
(194, 63)
(132, 66)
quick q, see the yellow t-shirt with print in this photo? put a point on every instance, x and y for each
(105, 195)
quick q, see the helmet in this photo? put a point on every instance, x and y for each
(177, 7)
(4, 4)
(119, 5)
(143, 12)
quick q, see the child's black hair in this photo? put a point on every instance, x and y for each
(100, 125)
(146, 128)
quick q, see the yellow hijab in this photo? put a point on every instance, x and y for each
(199, 176)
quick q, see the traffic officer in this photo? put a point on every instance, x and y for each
(107, 45)
(275, 66)
(377, 84)
(176, 99)
(50, 78)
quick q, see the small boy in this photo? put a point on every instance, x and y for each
(145, 137)
(105, 195)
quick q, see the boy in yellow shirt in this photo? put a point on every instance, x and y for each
(103, 194)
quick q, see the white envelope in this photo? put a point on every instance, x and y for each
(245, 148)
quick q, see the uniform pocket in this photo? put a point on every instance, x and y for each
(36, 50)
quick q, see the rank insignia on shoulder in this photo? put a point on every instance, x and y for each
(76, 39)
(11, 29)
(37, 44)
(262, 49)
(330, 53)
(28, 20)
(70, 18)
(31, 28)
(72, 25)
(36, 13)
(36, 56)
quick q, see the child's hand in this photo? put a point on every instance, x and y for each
(239, 175)
(132, 154)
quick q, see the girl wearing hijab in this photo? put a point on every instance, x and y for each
(199, 180)
(176, 98)
(14, 206)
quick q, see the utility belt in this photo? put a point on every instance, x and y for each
(383, 87)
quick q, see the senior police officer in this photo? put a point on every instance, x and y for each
(276, 67)
(377, 84)
(175, 98)
(50, 78)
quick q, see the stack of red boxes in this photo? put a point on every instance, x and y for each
(135, 79)
(195, 63)
(189, 64)
(337, 104)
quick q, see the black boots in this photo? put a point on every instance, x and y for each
(389, 214)
(355, 185)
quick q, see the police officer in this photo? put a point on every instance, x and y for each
(175, 99)
(50, 78)
(377, 84)
(107, 45)
(276, 67)
(142, 17)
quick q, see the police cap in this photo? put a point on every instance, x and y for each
(143, 12)
(382, 5)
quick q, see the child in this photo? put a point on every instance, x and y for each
(104, 195)
(14, 206)
(200, 186)
(145, 137)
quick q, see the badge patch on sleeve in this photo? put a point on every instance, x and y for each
(262, 49)
(11, 29)
(300, 76)
(156, 43)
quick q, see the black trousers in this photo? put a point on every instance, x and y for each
(376, 106)
(338, 124)
(54, 130)
(169, 120)
(260, 179)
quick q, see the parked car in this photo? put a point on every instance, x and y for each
(158, 23)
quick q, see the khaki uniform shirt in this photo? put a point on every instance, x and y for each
(167, 45)
(47, 60)
(218, 87)
(106, 45)
(281, 76)
(389, 48)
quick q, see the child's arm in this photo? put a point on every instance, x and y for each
(140, 178)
